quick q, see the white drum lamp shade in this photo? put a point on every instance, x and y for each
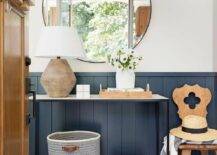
(58, 42)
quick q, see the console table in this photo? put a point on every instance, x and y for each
(156, 100)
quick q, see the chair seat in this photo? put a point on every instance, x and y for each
(200, 147)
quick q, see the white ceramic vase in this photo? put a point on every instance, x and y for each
(125, 79)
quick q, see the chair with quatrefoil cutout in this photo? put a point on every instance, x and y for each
(203, 97)
(180, 96)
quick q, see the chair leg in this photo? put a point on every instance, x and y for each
(186, 152)
(204, 152)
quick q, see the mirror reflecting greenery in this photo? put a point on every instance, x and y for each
(104, 25)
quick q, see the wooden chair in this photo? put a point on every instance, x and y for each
(204, 95)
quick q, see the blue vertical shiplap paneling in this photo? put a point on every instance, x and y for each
(58, 116)
(170, 83)
(114, 128)
(140, 82)
(212, 107)
(40, 89)
(111, 80)
(32, 132)
(97, 81)
(34, 83)
(156, 85)
(86, 115)
(142, 124)
(152, 134)
(72, 115)
(101, 124)
(127, 128)
(44, 127)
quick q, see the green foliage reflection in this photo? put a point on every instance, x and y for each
(102, 26)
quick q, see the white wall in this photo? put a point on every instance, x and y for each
(215, 35)
(180, 38)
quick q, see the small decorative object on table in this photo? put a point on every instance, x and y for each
(148, 87)
(82, 91)
(125, 62)
(136, 93)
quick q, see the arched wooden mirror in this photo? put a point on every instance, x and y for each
(104, 25)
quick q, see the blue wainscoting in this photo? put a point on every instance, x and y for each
(127, 128)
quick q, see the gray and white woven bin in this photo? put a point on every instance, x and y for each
(74, 143)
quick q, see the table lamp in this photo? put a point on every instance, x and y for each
(58, 42)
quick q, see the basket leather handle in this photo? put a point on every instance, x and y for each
(70, 148)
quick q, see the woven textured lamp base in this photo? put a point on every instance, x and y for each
(58, 78)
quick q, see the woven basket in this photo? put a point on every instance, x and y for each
(74, 143)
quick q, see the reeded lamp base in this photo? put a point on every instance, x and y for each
(58, 78)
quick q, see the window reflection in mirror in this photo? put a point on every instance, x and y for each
(104, 25)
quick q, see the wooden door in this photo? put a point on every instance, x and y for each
(13, 72)
(1, 76)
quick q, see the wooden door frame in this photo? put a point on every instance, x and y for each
(24, 73)
(1, 73)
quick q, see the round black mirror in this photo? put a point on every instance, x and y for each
(104, 26)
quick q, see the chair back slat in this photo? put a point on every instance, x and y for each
(179, 95)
